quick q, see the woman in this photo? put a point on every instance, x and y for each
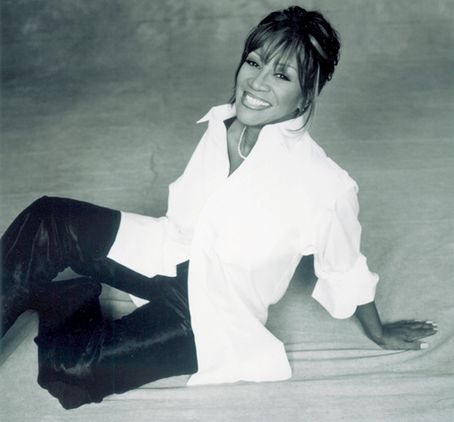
(256, 196)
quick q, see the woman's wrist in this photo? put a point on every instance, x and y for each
(377, 337)
(370, 320)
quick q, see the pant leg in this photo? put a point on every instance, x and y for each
(83, 357)
(51, 235)
(45, 238)
(87, 358)
(54, 233)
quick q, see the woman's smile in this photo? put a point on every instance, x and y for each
(254, 102)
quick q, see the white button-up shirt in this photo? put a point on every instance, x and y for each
(244, 235)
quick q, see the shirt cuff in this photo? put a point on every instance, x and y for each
(147, 246)
(341, 293)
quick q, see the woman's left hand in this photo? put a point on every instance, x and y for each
(405, 335)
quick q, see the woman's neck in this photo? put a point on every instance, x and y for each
(250, 134)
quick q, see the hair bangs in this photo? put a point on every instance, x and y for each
(274, 44)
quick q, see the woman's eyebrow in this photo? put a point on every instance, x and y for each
(286, 65)
(281, 64)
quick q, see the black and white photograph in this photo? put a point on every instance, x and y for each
(225, 211)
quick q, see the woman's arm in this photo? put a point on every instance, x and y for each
(400, 335)
(343, 274)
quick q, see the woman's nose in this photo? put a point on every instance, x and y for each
(259, 81)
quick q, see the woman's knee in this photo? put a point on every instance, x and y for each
(42, 203)
(45, 206)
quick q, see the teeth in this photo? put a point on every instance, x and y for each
(255, 102)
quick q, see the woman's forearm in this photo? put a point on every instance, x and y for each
(370, 320)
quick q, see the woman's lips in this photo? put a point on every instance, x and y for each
(251, 101)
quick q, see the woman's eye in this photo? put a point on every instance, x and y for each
(252, 63)
(282, 76)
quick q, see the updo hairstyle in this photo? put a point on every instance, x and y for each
(305, 34)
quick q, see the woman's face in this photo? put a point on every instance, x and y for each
(267, 92)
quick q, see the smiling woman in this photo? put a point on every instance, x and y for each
(286, 61)
(257, 194)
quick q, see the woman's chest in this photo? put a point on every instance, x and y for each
(235, 160)
(257, 215)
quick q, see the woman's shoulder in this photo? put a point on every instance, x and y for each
(326, 176)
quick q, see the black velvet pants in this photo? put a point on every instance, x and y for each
(82, 356)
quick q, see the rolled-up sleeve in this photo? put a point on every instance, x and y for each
(344, 279)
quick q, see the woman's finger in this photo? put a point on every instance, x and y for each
(429, 330)
(415, 345)
(414, 326)
(425, 333)
(401, 322)
(424, 325)
(417, 321)
(416, 336)
(404, 342)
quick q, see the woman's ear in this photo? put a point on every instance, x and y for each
(300, 110)
(304, 106)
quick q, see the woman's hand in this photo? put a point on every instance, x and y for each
(400, 335)
(405, 335)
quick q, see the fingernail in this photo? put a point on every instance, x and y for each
(424, 345)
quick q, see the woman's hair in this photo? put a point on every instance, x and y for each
(305, 34)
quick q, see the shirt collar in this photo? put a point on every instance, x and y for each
(289, 130)
(219, 113)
